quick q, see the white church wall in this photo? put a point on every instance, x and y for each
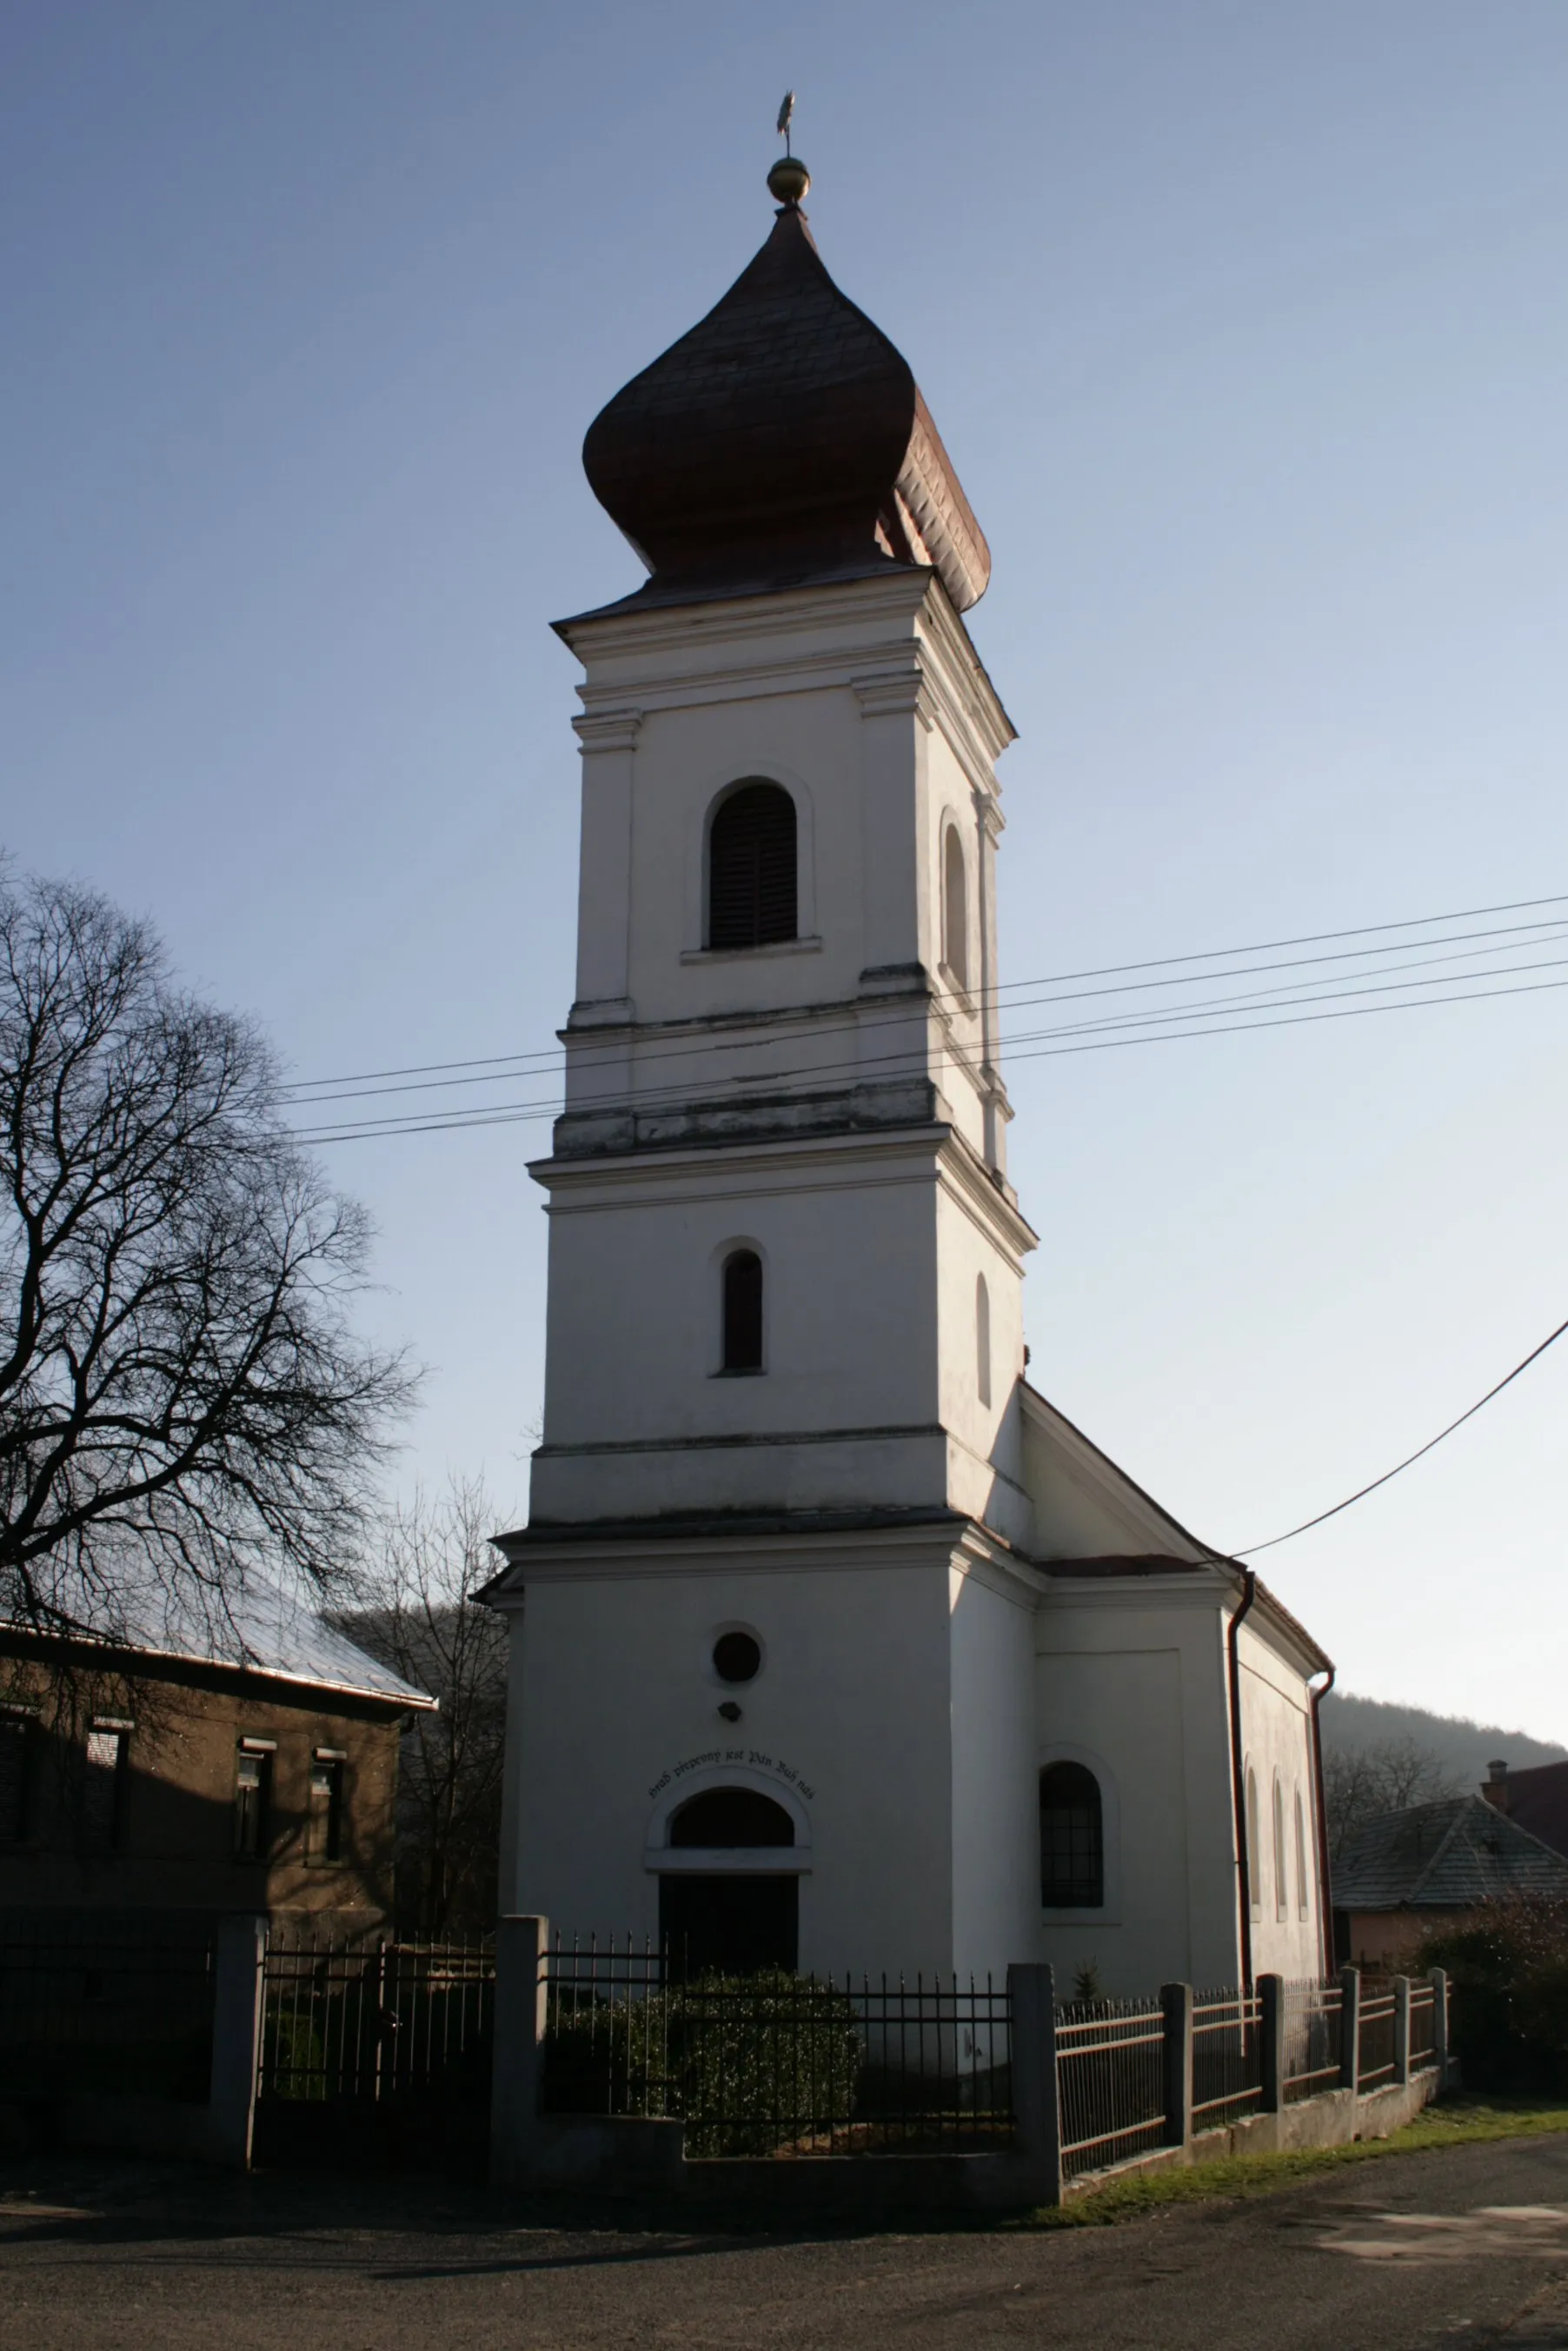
(981, 1415)
(994, 1833)
(1131, 1681)
(615, 1713)
(1276, 1730)
(850, 1338)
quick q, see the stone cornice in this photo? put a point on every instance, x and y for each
(608, 731)
(934, 646)
(913, 1543)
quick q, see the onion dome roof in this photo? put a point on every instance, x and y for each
(783, 440)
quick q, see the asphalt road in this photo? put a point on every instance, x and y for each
(1467, 2245)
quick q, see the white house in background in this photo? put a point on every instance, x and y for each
(833, 1643)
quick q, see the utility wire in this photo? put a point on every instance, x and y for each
(304, 1086)
(513, 1114)
(1516, 936)
(1361, 1493)
(917, 1053)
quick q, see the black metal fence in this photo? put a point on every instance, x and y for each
(111, 2011)
(1110, 2081)
(779, 2064)
(345, 2022)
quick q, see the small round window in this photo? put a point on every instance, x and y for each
(737, 1657)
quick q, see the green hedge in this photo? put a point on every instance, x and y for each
(751, 2065)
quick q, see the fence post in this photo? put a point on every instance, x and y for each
(1271, 2027)
(238, 1979)
(1176, 2000)
(522, 1994)
(1350, 2029)
(1437, 1978)
(1401, 2028)
(1036, 2102)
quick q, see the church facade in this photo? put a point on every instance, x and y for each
(833, 1643)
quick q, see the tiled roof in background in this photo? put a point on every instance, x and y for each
(1444, 1856)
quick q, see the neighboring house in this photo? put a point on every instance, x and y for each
(1413, 1872)
(245, 1763)
(835, 1643)
(1537, 1800)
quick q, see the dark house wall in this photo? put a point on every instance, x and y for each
(120, 1788)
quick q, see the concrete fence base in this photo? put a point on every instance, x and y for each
(1333, 2119)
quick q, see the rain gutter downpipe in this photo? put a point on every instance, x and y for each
(1239, 1781)
(1325, 1894)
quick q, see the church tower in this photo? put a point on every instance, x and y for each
(775, 1608)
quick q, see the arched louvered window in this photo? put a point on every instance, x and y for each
(982, 1338)
(751, 868)
(1301, 1859)
(1254, 1857)
(1071, 1839)
(743, 1335)
(1281, 1889)
(955, 907)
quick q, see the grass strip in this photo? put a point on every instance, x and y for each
(1454, 2121)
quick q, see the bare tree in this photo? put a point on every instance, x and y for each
(182, 1397)
(421, 1618)
(1361, 1783)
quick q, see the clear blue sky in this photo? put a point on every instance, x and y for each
(1245, 328)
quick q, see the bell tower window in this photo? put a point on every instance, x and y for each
(742, 1311)
(751, 868)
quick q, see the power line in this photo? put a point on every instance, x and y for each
(513, 1114)
(506, 1067)
(1361, 1493)
(305, 1086)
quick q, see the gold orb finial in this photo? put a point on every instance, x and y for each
(788, 180)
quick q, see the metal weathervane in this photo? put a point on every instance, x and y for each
(786, 116)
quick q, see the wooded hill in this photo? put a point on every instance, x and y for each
(1352, 1725)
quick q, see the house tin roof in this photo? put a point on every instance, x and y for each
(260, 1629)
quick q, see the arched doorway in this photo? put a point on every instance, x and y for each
(737, 1917)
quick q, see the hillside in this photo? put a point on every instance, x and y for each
(1350, 1725)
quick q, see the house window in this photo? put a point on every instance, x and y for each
(1302, 1905)
(955, 908)
(1254, 1890)
(751, 868)
(15, 1773)
(742, 1311)
(253, 1802)
(103, 1773)
(1282, 1897)
(1071, 1839)
(982, 1338)
(323, 1819)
